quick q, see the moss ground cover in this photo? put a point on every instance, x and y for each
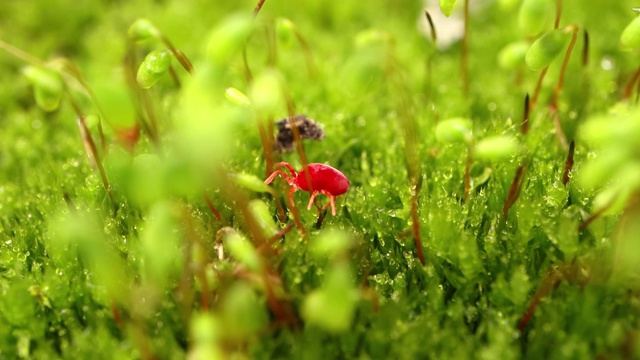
(136, 138)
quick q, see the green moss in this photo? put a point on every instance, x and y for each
(187, 253)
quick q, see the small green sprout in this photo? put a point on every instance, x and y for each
(544, 50)
(142, 30)
(495, 148)
(447, 6)
(228, 38)
(154, 66)
(512, 56)
(47, 85)
(454, 130)
(535, 16)
(630, 37)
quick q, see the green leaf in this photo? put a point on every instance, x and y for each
(228, 38)
(286, 31)
(630, 37)
(446, 6)
(242, 312)
(252, 182)
(266, 93)
(495, 148)
(263, 216)
(48, 86)
(544, 50)
(237, 97)
(512, 56)
(142, 30)
(155, 64)
(454, 130)
(330, 243)
(535, 16)
(333, 305)
(242, 250)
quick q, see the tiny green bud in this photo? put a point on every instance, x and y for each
(266, 92)
(237, 97)
(242, 312)
(48, 86)
(332, 306)
(155, 64)
(285, 29)
(229, 38)
(512, 56)
(143, 29)
(261, 213)
(535, 16)
(251, 182)
(446, 6)
(495, 148)
(630, 37)
(242, 250)
(544, 50)
(330, 243)
(454, 130)
(370, 37)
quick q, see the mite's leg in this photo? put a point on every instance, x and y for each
(313, 197)
(276, 173)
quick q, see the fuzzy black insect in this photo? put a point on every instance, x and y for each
(308, 129)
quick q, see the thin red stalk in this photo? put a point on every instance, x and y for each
(432, 27)
(568, 165)
(415, 224)
(556, 23)
(465, 50)
(276, 237)
(514, 191)
(182, 59)
(311, 69)
(256, 10)
(585, 48)
(211, 207)
(536, 92)
(524, 127)
(594, 217)
(90, 146)
(628, 90)
(467, 175)
(563, 69)
(551, 280)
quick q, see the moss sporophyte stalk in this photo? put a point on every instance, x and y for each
(152, 152)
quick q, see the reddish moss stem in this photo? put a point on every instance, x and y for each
(90, 146)
(568, 165)
(514, 191)
(524, 127)
(628, 90)
(467, 175)
(536, 92)
(563, 69)
(432, 27)
(256, 10)
(556, 22)
(465, 51)
(211, 207)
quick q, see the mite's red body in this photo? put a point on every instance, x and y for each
(316, 179)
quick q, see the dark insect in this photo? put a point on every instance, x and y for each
(308, 129)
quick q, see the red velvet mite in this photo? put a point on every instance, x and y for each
(324, 180)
